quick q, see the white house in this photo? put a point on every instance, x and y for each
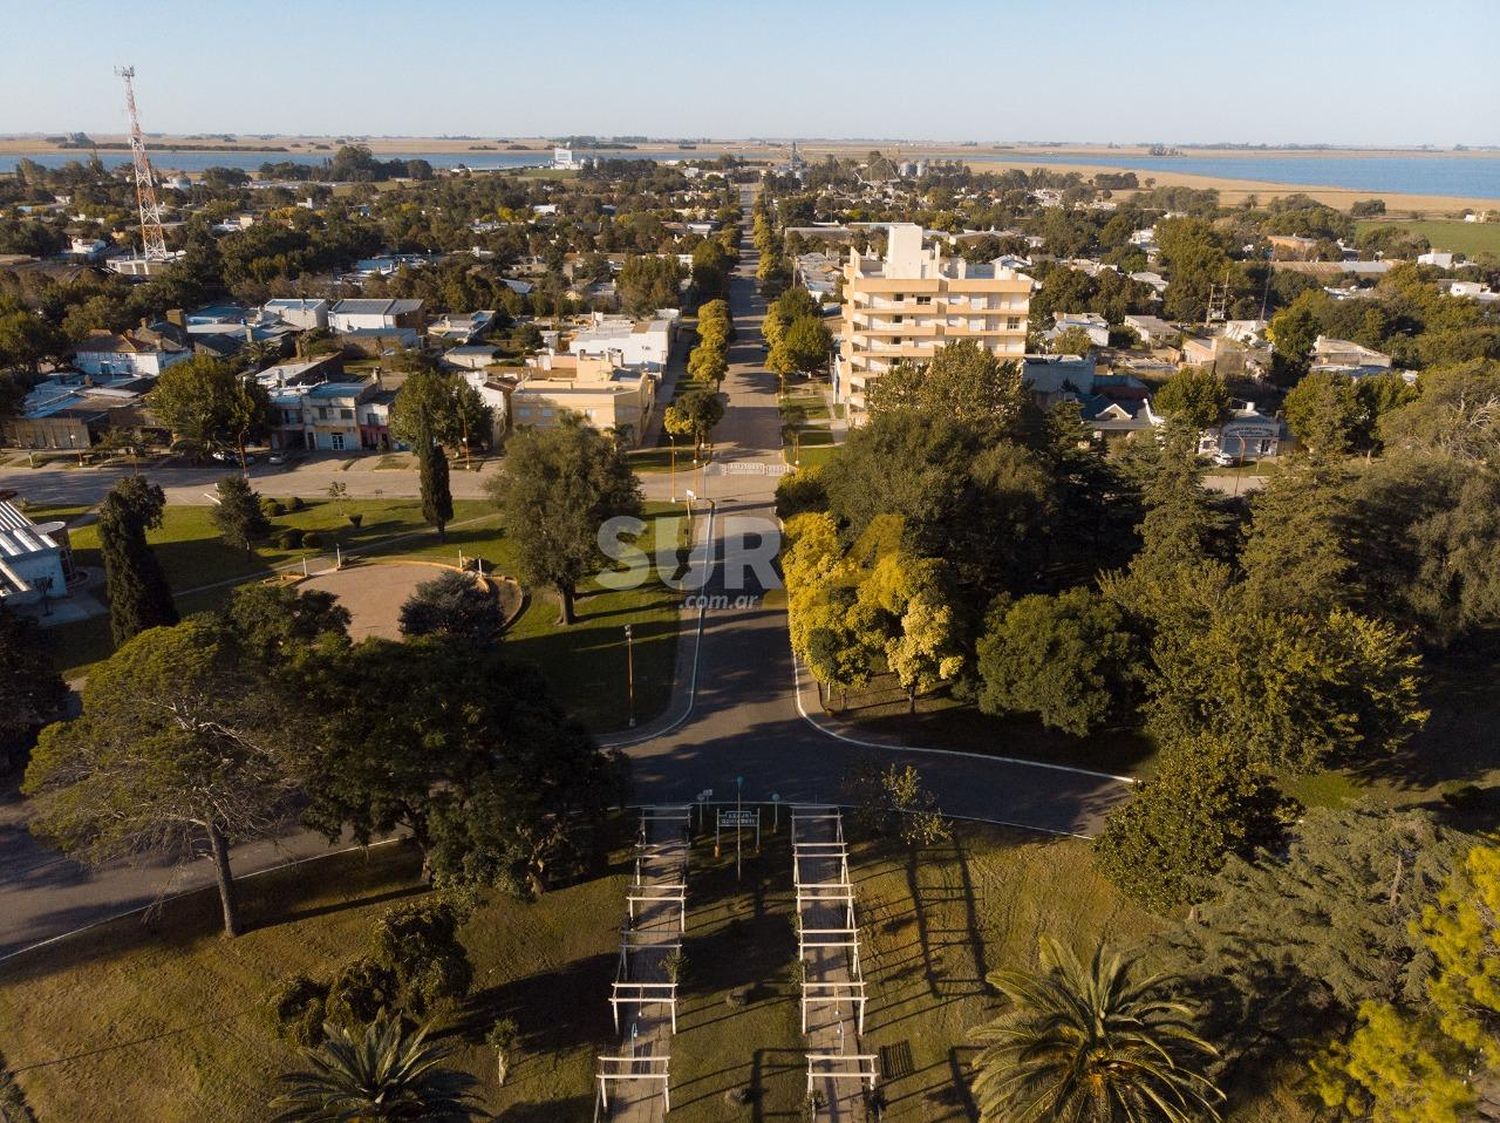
(375, 315)
(1246, 434)
(1153, 330)
(1092, 323)
(1441, 260)
(298, 311)
(636, 346)
(130, 354)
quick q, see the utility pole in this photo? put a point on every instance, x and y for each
(153, 239)
(630, 672)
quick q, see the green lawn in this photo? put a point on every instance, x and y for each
(131, 1023)
(585, 663)
(1448, 235)
(943, 723)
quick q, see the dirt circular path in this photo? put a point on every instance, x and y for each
(374, 593)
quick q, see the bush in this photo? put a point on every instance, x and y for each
(272, 508)
(418, 945)
(296, 504)
(291, 538)
(359, 992)
(355, 519)
(298, 1008)
(311, 541)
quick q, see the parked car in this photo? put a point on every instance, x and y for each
(276, 458)
(1224, 459)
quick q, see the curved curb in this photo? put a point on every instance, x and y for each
(898, 747)
(642, 736)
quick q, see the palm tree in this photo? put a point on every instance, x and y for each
(1091, 1044)
(383, 1073)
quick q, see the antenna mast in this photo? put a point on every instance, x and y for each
(153, 239)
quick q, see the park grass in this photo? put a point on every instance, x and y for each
(1446, 235)
(166, 1022)
(585, 663)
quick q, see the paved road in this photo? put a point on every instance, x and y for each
(746, 719)
(737, 710)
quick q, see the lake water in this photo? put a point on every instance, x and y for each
(1468, 176)
(169, 161)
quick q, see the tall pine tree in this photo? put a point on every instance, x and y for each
(139, 596)
(437, 500)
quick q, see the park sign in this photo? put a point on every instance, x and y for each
(740, 818)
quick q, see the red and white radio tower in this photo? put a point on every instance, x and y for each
(153, 240)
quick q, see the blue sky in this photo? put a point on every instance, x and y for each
(1338, 71)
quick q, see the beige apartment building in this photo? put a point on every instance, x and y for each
(916, 300)
(605, 396)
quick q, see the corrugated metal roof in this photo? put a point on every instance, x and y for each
(18, 534)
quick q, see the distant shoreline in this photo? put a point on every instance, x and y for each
(294, 143)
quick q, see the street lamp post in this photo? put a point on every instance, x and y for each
(739, 850)
(673, 438)
(630, 672)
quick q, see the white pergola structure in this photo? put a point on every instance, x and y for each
(616, 1069)
(841, 1066)
(642, 953)
(851, 992)
(826, 925)
(649, 936)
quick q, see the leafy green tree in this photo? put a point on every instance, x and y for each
(1324, 412)
(1434, 1063)
(418, 943)
(32, 693)
(1072, 341)
(379, 1072)
(1294, 690)
(1068, 658)
(1207, 801)
(462, 750)
(822, 587)
(205, 400)
(1297, 549)
(1194, 396)
(906, 611)
(963, 382)
(180, 743)
(432, 410)
(803, 348)
(708, 364)
(1425, 536)
(711, 265)
(1292, 941)
(560, 487)
(647, 283)
(139, 597)
(1083, 1043)
(1457, 413)
(1179, 525)
(794, 304)
(280, 626)
(702, 410)
(238, 516)
(456, 606)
